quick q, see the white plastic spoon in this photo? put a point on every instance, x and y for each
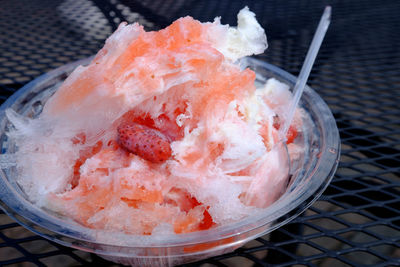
(306, 69)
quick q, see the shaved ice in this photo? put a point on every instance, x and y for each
(163, 132)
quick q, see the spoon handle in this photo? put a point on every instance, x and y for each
(307, 65)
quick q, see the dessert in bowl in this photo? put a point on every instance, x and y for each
(165, 147)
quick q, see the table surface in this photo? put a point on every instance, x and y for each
(357, 219)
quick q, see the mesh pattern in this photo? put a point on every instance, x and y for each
(357, 219)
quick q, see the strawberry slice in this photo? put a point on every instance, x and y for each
(291, 134)
(148, 143)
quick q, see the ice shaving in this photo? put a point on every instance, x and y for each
(163, 132)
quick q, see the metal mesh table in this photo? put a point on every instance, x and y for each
(357, 219)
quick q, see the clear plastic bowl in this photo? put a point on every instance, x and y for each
(310, 175)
